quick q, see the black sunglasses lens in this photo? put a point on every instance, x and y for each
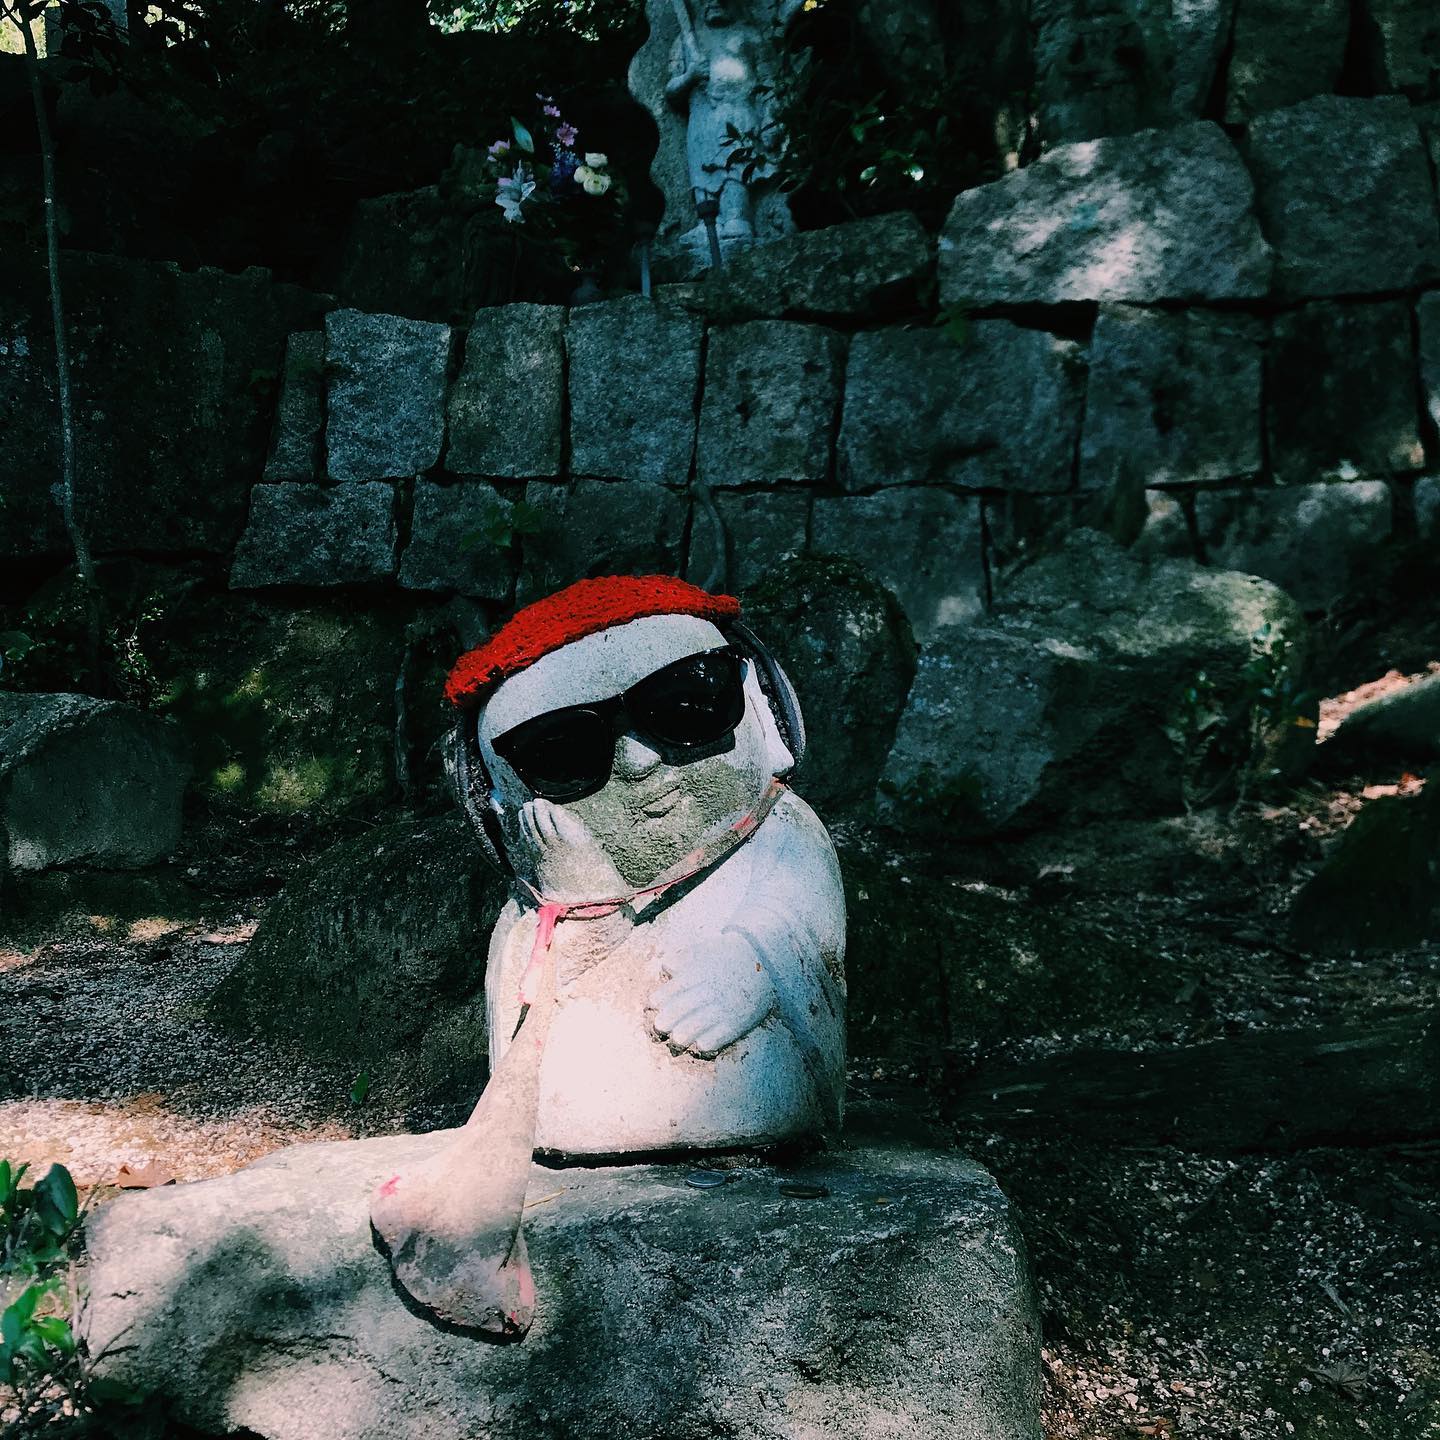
(695, 701)
(560, 755)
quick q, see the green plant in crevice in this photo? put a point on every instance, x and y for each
(1229, 741)
(43, 1364)
(38, 1353)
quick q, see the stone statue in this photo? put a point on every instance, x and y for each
(708, 75)
(668, 974)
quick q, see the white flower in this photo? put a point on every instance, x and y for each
(594, 183)
(596, 161)
(511, 192)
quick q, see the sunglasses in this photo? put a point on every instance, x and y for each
(567, 754)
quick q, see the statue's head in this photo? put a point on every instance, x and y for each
(719, 13)
(639, 704)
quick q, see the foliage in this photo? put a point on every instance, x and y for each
(1230, 741)
(589, 19)
(50, 644)
(859, 141)
(521, 518)
(41, 1360)
(37, 1347)
(221, 115)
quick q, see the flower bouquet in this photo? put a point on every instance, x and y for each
(567, 199)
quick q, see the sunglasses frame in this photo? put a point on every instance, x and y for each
(616, 712)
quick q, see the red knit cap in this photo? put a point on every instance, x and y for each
(584, 608)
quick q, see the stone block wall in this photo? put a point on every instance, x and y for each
(1232, 336)
(1221, 343)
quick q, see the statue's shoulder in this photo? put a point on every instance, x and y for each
(796, 825)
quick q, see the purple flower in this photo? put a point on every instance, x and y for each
(566, 134)
(499, 149)
(553, 111)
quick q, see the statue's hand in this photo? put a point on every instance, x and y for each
(715, 994)
(568, 862)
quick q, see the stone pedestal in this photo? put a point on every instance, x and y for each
(895, 1304)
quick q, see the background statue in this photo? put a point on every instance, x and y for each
(709, 73)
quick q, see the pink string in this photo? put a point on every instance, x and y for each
(552, 912)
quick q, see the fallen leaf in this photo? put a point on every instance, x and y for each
(1346, 1377)
(149, 1176)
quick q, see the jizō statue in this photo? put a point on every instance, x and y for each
(668, 974)
(709, 73)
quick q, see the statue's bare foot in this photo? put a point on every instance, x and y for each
(714, 997)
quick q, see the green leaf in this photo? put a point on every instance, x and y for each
(523, 137)
(5, 1191)
(59, 1189)
(18, 1316)
(54, 1331)
(361, 1088)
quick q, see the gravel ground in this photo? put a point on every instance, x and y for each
(1234, 1297)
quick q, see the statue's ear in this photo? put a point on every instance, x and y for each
(784, 702)
(470, 782)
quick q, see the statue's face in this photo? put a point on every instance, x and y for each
(659, 800)
(719, 13)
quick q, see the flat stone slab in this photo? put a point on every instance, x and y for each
(895, 1304)
(1345, 196)
(318, 535)
(1160, 215)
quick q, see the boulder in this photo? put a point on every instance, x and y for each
(756, 530)
(1159, 215)
(1345, 196)
(162, 470)
(856, 270)
(998, 409)
(1108, 67)
(598, 527)
(1340, 400)
(1165, 529)
(846, 646)
(1403, 725)
(290, 710)
(412, 253)
(634, 376)
(772, 388)
(374, 955)
(1408, 46)
(1061, 702)
(1379, 887)
(386, 403)
(1173, 398)
(320, 535)
(925, 545)
(894, 1301)
(460, 540)
(505, 408)
(1428, 310)
(88, 782)
(1279, 54)
(1314, 541)
(1427, 507)
(300, 414)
